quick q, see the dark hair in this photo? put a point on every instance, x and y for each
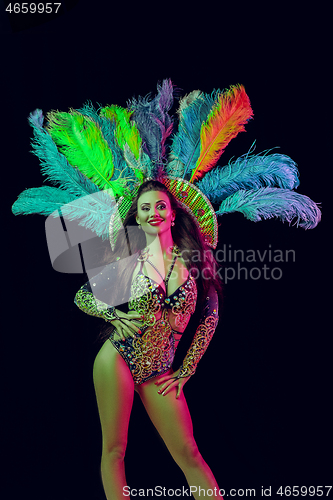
(186, 235)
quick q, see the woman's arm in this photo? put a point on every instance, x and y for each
(88, 303)
(203, 335)
(100, 296)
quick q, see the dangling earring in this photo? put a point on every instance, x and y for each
(139, 226)
(173, 223)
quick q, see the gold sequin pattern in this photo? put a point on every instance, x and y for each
(145, 299)
(199, 345)
(153, 352)
(88, 303)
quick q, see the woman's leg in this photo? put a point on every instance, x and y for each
(114, 388)
(172, 420)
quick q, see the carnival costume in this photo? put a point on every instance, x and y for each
(99, 159)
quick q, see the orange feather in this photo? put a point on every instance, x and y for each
(225, 121)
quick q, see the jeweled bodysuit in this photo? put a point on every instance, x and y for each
(152, 352)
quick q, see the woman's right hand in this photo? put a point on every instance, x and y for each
(128, 324)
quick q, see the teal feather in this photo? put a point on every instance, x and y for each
(185, 147)
(54, 164)
(89, 110)
(93, 211)
(43, 200)
(250, 172)
(266, 203)
(143, 163)
(77, 196)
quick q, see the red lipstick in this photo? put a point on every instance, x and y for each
(155, 222)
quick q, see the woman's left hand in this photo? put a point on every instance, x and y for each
(168, 382)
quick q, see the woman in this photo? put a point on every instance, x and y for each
(160, 273)
(139, 352)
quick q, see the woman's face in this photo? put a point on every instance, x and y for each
(154, 212)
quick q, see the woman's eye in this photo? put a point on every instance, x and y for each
(160, 207)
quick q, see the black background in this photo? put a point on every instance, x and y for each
(261, 399)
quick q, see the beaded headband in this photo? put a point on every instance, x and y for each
(197, 204)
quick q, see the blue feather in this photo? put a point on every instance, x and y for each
(37, 118)
(154, 123)
(186, 142)
(250, 172)
(266, 203)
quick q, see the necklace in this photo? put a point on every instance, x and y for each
(145, 257)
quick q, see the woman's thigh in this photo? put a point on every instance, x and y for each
(114, 389)
(170, 416)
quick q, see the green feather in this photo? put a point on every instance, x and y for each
(126, 132)
(54, 165)
(80, 139)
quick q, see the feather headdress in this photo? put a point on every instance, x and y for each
(98, 158)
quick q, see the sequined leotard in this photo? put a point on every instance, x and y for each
(152, 352)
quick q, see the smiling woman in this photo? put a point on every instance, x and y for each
(154, 209)
(156, 217)
(139, 349)
(117, 177)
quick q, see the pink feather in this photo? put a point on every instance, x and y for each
(224, 122)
